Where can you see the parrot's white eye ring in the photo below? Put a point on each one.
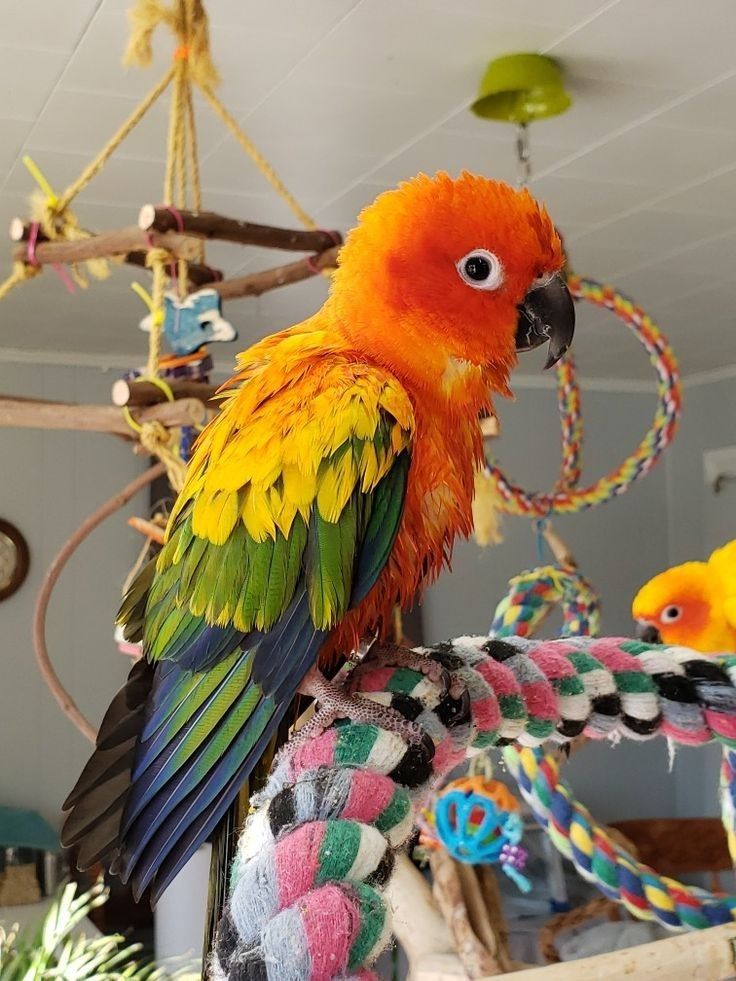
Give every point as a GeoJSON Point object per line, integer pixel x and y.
{"type": "Point", "coordinates": [480, 269]}
{"type": "Point", "coordinates": [670, 614]}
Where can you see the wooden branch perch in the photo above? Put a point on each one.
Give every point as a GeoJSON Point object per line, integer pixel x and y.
{"type": "Point", "coordinates": [20, 231]}
{"type": "Point", "coordinates": [207, 224]}
{"type": "Point", "coordinates": [198, 274]}
{"type": "Point", "coordinates": [270, 279]}
{"type": "Point", "coordinates": [139, 393]}
{"type": "Point", "coordinates": [120, 241]}
{"type": "Point", "coordinates": [477, 959]}
{"type": "Point", "coordinates": [29, 414]}
{"type": "Point", "coordinates": [113, 504]}
{"type": "Point", "coordinates": [417, 923]}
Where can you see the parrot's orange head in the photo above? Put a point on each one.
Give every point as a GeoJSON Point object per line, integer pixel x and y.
{"type": "Point", "coordinates": [444, 276]}
{"type": "Point", "coordinates": [676, 607]}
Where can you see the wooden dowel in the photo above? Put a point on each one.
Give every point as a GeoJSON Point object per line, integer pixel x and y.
{"type": "Point", "coordinates": [137, 393]}
{"type": "Point", "coordinates": [489, 427]}
{"type": "Point", "coordinates": [20, 231]}
{"type": "Point", "coordinates": [704, 954]}
{"type": "Point", "coordinates": [96, 418]}
{"type": "Point", "coordinates": [120, 241]}
{"type": "Point", "coordinates": [563, 555]}
{"type": "Point", "coordinates": [207, 224]}
{"type": "Point", "coordinates": [271, 279]}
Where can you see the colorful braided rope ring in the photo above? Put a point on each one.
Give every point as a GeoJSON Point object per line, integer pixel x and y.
{"type": "Point", "coordinates": [567, 498]}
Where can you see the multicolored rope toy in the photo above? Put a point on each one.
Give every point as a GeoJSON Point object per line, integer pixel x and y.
{"type": "Point", "coordinates": [571, 420]}
{"type": "Point", "coordinates": [599, 860]}
{"type": "Point", "coordinates": [566, 497]}
{"type": "Point", "coordinates": [534, 593]}
{"type": "Point", "coordinates": [304, 897]}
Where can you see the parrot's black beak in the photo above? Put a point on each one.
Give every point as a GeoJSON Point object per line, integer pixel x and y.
{"type": "Point", "coordinates": [547, 314]}
{"type": "Point", "coordinates": [647, 632]}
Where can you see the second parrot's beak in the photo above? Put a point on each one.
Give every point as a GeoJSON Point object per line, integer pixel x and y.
{"type": "Point", "coordinates": [547, 314]}
{"type": "Point", "coordinates": [647, 632]}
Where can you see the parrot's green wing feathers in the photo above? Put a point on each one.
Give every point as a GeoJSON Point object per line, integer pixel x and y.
{"type": "Point", "coordinates": [270, 545]}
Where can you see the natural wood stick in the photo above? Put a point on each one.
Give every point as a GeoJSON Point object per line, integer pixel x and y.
{"type": "Point", "coordinates": [707, 955]}
{"type": "Point", "coordinates": [199, 275]}
{"type": "Point", "coordinates": [416, 921]}
{"type": "Point", "coordinates": [489, 427]}
{"type": "Point", "coordinates": [138, 393]}
{"type": "Point", "coordinates": [62, 696]}
{"type": "Point", "coordinates": [208, 224]}
{"type": "Point", "coordinates": [120, 241]}
{"type": "Point", "coordinates": [270, 279]}
{"type": "Point", "coordinates": [477, 960]}
{"type": "Point", "coordinates": [20, 231]}
{"type": "Point", "coordinates": [492, 904]}
{"type": "Point", "coordinates": [96, 418]}
{"type": "Point", "coordinates": [563, 555]}
{"type": "Point", "coordinates": [149, 529]}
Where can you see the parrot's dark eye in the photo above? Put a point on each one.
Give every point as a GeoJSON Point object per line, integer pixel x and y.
{"type": "Point", "coordinates": [670, 614]}
{"type": "Point", "coordinates": [481, 269]}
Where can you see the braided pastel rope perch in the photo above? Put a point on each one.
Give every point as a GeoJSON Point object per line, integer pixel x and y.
{"type": "Point", "coordinates": [304, 900]}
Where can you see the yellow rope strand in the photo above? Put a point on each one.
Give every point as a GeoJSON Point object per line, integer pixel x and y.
{"type": "Point", "coordinates": [257, 157]}
{"type": "Point", "coordinates": [158, 440]}
{"type": "Point", "coordinates": [21, 272]}
{"type": "Point", "coordinates": [194, 174]}
{"type": "Point", "coordinates": [96, 165]}
{"type": "Point", "coordinates": [176, 179]}
{"type": "Point", "coordinates": [156, 260]}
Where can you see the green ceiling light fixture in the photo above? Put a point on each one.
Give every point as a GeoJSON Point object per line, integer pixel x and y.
{"type": "Point", "coordinates": [519, 89]}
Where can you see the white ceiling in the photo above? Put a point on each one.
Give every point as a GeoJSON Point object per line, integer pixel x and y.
{"type": "Point", "coordinates": [346, 97]}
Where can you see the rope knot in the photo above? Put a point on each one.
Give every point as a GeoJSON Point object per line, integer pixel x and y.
{"type": "Point", "coordinates": [162, 443]}
{"type": "Point", "coordinates": [59, 224]}
{"type": "Point", "coordinates": [156, 256]}
{"type": "Point", "coordinates": [188, 23]}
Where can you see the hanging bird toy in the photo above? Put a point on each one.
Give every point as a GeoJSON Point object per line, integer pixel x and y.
{"type": "Point", "coordinates": [477, 820]}
{"type": "Point", "coordinates": [192, 322]}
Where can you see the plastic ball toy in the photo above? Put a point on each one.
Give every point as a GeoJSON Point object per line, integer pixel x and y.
{"type": "Point", "coordinates": [478, 821]}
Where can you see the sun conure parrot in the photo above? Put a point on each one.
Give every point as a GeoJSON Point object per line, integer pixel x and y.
{"type": "Point", "coordinates": [692, 604]}
{"type": "Point", "coordinates": [330, 487]}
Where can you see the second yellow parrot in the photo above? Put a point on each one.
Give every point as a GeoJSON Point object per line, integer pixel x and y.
{"type": "Point", "coordinates": [693, 604]}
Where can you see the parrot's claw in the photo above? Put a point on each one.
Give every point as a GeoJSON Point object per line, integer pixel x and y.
{"type": "Point", "coordinates": [332, 703]}
{"type": "Point", "coordinates": [393, 656]}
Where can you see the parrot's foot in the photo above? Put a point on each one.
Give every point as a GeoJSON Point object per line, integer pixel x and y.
{"type": "Point", "coordinates": [394, 656]}
{"type": "Point", "coordinates": [332, 703]}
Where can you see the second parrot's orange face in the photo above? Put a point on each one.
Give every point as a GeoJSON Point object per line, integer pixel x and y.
{"type": "Point", "coordinates": [454, 263]}
{"type": "Point", "coordinates": [676, 605]}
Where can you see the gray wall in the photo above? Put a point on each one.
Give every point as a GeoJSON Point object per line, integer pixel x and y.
{"type": "Point", "coordinates": [700, 520]}
{"type": "Point", "coordinates": [49, 482]}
